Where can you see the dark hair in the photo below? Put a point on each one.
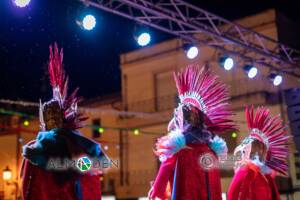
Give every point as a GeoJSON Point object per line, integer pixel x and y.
{"type": "Point", "coordinates": [193, 116]}
{"type": "Point", "coordinates": [52, 110]}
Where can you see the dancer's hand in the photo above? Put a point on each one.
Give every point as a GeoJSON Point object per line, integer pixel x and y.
{"type": "Point", "coordinates": [150, 195]}
{"type": "Point", "coordinates": [150, 191]}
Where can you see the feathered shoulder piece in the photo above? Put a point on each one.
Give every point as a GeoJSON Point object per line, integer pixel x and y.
{"type": "Point", "coordinates": [271, 132]}
{"type": "Point", "coordinates": [59, 82]}
{"type": "Point", "coordinates": [170, 144]}
{"type": "Point", "coordinates": [200, 88]}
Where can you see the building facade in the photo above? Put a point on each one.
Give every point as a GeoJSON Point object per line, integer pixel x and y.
{"type": "Point", "coordinates": [128, 124]}
{"type": "Point", "coordinates": [148, 87]}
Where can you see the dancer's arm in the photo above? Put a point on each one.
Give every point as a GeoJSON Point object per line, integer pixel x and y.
{"type": "Point", "coordinates": [165, 173]}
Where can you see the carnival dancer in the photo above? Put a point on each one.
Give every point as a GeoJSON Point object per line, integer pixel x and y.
{"type": "Point", "coordinates": [189, 153]}
{"type": "Point", "coordinates": [59, 139]}
{"type": "Point", "coordinates": [261, 155]}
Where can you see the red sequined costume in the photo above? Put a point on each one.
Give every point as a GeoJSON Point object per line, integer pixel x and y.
{"type": "Point", "coordinates": [58, 139]}
{"type": "Point", "coordinates": [189, 153]}
{"type": "Point", "coordinates": [254, 174]}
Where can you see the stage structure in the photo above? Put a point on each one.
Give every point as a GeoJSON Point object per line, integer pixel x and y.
{"type": "Point", "coordinates": [185, 20]}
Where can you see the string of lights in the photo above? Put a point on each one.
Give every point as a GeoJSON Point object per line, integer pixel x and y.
{"type": "Point", "coordinates": [90, 110]}
{"type": "Point", "coordinates": [21, 103]}
{"type": "Point", "coordinates": [100, 129]}
{"type": "Point", "coordinates": [9, 112]}
{"type": "Point", "coordinates": [11, 130]}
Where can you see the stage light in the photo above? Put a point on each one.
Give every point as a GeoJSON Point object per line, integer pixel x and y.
{"type": "Point", "coordinates": [226, 62]}
{"type": "Point", "coordinates": [105, 147]}
{"type": "Point", "coordinates": [21, 3]}
{"type": "Point", "coordinates": [136, 132]}
{"type": "Point", "coordinates": [276, 79]}
{"type": "Point", "coordinates": [89, 22]}
{"type": "Point", "coordinates": [144, 39]}
{"type": "Point", "coordinates": [192, 52]}
{"type": "Point", "coordinates": [251, 71]}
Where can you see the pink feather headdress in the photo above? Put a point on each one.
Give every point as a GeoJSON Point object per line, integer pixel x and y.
{"type": "Point", "coordinates": [198, 87]}
{"type": "Point", "coordinates": [201, 90]}
{"type": "Point", "coordinates": [271, 132]}
{"type": "Point", "coordinates": [59, 82]}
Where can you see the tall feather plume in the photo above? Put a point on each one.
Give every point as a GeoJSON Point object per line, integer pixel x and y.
{"type": "Point", "coordinates": [198, 87]}
{"type": "Point", "coordinates": [270, 131]}
{"type": "Point", "coordinates": [59, 82]}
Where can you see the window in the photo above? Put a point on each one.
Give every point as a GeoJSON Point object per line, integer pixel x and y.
{"type": "Point", "coordinates": [165, 91]}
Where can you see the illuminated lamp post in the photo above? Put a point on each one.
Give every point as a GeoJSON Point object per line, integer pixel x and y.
{"type": "Point", "coordinates": [7, 176]}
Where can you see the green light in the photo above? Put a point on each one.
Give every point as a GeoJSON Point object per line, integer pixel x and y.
{"type": "Point", "coordinates": [136, 132]}
{"type": "Point", "coordinates": [101, 130]}
{"type": "Point", "coordinates": [26, 123]}
{"type": "Point", "coordinates": [234, 135]}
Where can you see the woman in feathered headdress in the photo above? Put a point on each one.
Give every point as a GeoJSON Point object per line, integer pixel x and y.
{"type": "Point", "coordinates": [44, 176]}
{"type": "Point", "coordinates": [189, 152]}
{"type": "Point", "coordinates": [260, 156]}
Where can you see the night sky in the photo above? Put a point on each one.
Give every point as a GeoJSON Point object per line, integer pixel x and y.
{"type": "Point", "coordinates": [91, 58]}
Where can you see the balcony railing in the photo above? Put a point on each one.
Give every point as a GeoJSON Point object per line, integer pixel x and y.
{"type": "Point", "coordinates": [168, 102]}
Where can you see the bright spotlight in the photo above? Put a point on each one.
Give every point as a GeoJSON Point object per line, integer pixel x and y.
{"type": "Point", "coordinates": [227, 63]}
{"type": "Point", "coordinates": [276, 79]}
{"type": "Point", "coordinates": [144, 39]}
{"type": "Point", "coordinates": [192, 52]}
{"type": "Point", "coordinates": [251, 71]}
{"type": "Point", "coordinates": [89, 22]}
{"type": "Point", "coordinates": [21, 3]}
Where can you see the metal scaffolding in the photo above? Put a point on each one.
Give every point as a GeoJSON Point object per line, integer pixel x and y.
{"type": "Point", "coordinates": [187, 21]}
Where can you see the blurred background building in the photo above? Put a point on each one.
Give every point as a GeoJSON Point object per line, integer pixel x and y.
{"type": "Point", "coordinates": [128, 124]}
